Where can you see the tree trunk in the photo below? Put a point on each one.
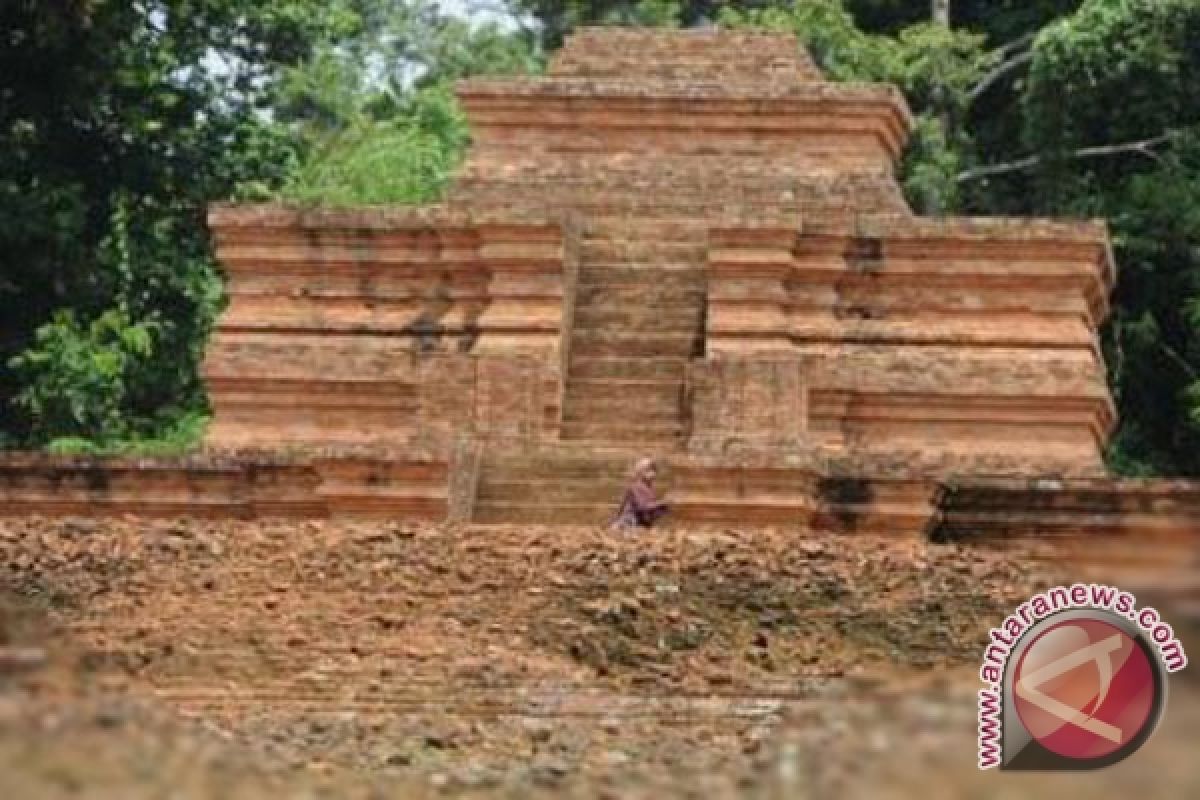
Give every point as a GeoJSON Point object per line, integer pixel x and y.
{"type": "Point", "coordinates": [941, 12]}
{"type": "Point", "coordinates": [941, 16]}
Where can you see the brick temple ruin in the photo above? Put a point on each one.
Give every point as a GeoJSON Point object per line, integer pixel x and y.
{"type": "Point", "coordinates": [688, 245]}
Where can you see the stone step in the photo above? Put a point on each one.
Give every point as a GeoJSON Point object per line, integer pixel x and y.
{"type": "Point", "coordinates": [588, 368]}
{"type": "Point", "coordinates": [551, 491]}
{"type": "Point", "coordinates": [556, 453]}
{"type": "Point", "coordinates": [653, 293]}
{"type": "Point", "coordinates": [634, 348]}
{"type": "Point", "coordinates": [601, 249]}
{"type": "Point", "coordinates": [598, 268]}
{"type": "Point", "coordinates": [663, 240]}
{"type": "Point", "coordinates": [648, 317]}
{"type": "Point", "coordinates": [496, 477]}
{"type": "Point", "coordinates": [648, 403]}
{"type": "Point", "coordinates": [606, 294]}
{"type": "Point", "coordinates": [729, 206]}
{"type": "Point", "coordinates": [671, 228]}
{"type": "Point", "coordinates": [596, 474]}
{"type": "Point", "coordinates": [587, 55]}
{"type": "Point", "coordinates": [601, 485]}
{"type": "Point", "coordinates": [616, 390]}
{"type": "Point", "coordinates": [584, 409]}
{"type": "Point", "coordinates": [623, 431]}
{"type": "Point", "coordinates": [567, 465]}
{"type": "Point", "coordinates": [662, 183]}
{"type": "Point", "coordinates": [593, 52]}
{"type": "Point", "coordinates": [661, 187]}
{"type": "Point", "coordinates": [644, 280]}
{"type": "Point", "coordinates": [596, 342]}
{"type": "Point", "coordinates": [622, 336]}
{"type": "Point", "coordinates": [599, 514]}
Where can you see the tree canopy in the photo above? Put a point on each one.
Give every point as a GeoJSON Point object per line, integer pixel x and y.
{"type": "Point", "coordinates": [120, 122]}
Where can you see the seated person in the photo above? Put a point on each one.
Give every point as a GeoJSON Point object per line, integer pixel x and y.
{"type": "Point", "coordinates": [640, 507]}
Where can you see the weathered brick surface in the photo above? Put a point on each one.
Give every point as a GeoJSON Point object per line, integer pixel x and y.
{"type": "Point", "coordinates": [239, 485]}
{"type": "Point", "coordinates": [345, 327]}
{"type": "Point", "coordinates": [1140, 535]}
{"type": "Point", "coordinates": [1007, 508]}
{"type": "Point", "coordinates": [746, 56]}
{"type": "Point", "coordinates": [408, 649]}
{"type": "Point", "coordinates": [969, 336]}
{"type": "Point", "coordinates": [703, 258]}
{"type": "Point", "coordinates": [443, 660]}
{"type": "Point", "coordinates": [609, 396]}
{"type": "Point", "coordinates": [682, 242]}
{"type": "Point", "coordinates": [352, 323]}
{"type": "Point", "coordinates": [756, 402]}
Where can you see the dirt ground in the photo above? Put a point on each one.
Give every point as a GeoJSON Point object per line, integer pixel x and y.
{"type": "Point", "coordinates": [196, 659]}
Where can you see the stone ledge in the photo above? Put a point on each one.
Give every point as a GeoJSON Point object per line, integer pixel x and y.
{"type": "Point", "coordinates": [588, 108]}
{"type": "Point", "coordinates": [387, 218]}
{"type": "Point", "coordinates": [902, 227]}
{"type": "Point", "coordinates": [812, 490]}
{"type": "Point", "coordinates": [1086, 230]}
{"type": "Point", "coordinates": [238, 485]}
{"type": "Point", "coordinates": [762, 96]}
{"type": "Point", "coordinates": [987, 509]}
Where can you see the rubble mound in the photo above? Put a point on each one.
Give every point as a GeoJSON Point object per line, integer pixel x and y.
{"type": "Point", "coordinates": [498, 658]}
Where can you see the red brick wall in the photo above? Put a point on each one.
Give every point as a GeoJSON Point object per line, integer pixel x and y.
{"type": "Point", "coordinates": [747, 402]}
{"type": "Point", "coordinates": [366, 327]}
{"type": "Point", "coordinates": [972, 338]}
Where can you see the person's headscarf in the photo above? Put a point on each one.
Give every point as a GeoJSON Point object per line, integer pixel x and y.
{"type": "Point", "coordinates": [643, 466]}
{"type": "Point", "coordinates": [639, 501]}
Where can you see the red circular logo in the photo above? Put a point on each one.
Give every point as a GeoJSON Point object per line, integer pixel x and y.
{"type": "Point", "coordinates": [1084, 688]}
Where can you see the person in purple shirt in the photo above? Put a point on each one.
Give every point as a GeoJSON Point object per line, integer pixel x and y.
{"type": "Point", "coordinates": [640, 506]}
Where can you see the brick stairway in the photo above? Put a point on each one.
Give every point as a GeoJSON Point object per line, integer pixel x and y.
{"type": "Point", "coordinates": [639, 318]}
{"type": "Point", "coordinates": [552, 484]}
{"type": "Point", "coordinates": [653, 141]}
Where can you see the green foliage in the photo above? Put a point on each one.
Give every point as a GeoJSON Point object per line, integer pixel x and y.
{"type": "Point", "coordinates": [938, 66]}
{"type": "Point", "coordinates": [649, 14]}
{"type": "Point", "coordinates": [76, 375]}
{"type": "Point", "coordinates": [829, 32]}
{"type": "Point", "coordinates": [1116, 70]}
{"type": "Point", "coordinates": [934, 65]}
{"type": "Point", "coordinates": [119, 123]}
{"type": "Point", "coordinates": [557, 17]}
{"type": "Point", "coordinates": [406, 159]}
{"type": "Point", "coordinates": [1004, 21]}
{"type": "Point", "coordinates": [1192, 392]}
{"type": "Point", "coordinates": [377, 114]}
{"type": "Point", "coordinates": [1154, 339]}
{"type": "Point", "coordinates": [1120, 72]}
{"type": "Point", "coordinates": [930, 166]}
{"type": "Point", "coordinates": [453, 49]}
{"type": "Point", "coordinates": [1001, 19]}
{"type": "Point", "coordinates": [183, 432]}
